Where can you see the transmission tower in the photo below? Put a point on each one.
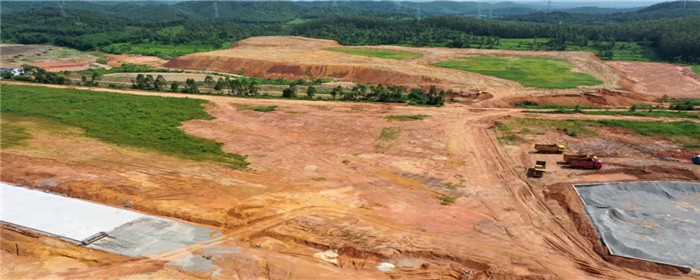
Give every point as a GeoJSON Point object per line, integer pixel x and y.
{"type": "Point", "coordinates": [216, 10]}
{"type": "Point", "coordinates": [61, 3]}
{"type": "Point", "coordinates": [418, 4]}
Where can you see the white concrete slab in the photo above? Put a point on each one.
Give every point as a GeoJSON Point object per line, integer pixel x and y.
{"type": "Point", "coordinates": [57, 215]}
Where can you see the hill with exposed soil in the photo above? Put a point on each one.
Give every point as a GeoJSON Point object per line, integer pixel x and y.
{"type": "Point", "coordinates": [304, 58]}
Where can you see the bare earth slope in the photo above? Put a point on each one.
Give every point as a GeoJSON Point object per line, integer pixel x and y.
{"type": "Point", "coordinates": [298, 57]}
{"type": "Point", "coordinates": [659, 79]}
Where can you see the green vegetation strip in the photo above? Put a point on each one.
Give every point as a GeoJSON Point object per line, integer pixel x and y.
{"type": "Point", "coordinates": [389, 133]}
{"type": "Point", "coordinates": [685, 133]}
{"type": "Point", "coordinates": [406, 117]}
{"type": "Point", "coordinates": [265, 109]}
{"type": "Point", "coordinates": [534, 105]}
{"type": "Point", "coordinates": [157, 49]}
{"type": "Point", "coordinates": [530, 72]}
{"type": "Point", "coordinates": [381, 53]}
{"type": "Point", "coordinates": [696, 69]}
{"type": "Point", "coordinates": [664, 113]}
{"type": "Point", "coordinates": [12, 134]}
{"type": "Point", "coordinates": [138, 121]}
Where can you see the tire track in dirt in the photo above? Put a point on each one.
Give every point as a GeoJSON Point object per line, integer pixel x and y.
{"type": "Point", "coordinates": [534, 211]}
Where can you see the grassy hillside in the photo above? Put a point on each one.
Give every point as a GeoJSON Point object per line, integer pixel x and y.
{"type": "Point", "coordinates": [530, 72]}
{"type": "Point", "coordinates": [388, 54]}
{"type": "Point", "coordinates": [146, 122]}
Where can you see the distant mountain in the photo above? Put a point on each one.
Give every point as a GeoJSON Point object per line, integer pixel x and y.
{"type": "Point", "coordinates": [667, 10]}
{"type": "Point", "coordinates": [282, 12]}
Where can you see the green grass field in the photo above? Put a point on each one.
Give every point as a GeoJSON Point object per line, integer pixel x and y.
{"type": "Point", "coordinates": [623, 51]}
{"type": "Point", "coordinates": [388, 54]}
{"type": "Point", "coordinates": [696, 69]}
{"type": "Point", "coordinates": [12, 134]}
{"type": "Point", "coordinates": [58, 53]}
{"type": "Point", "coordinates": [640, 113]}
{"type": "Point", "coordinates": [264, 109]}
{"type": "Point", "coordinates": [147, 122]}
{"type": "Point", "coordinates": [406, 117]}
{"type": "Point", "coordinates": [530, 72]}
{"type": "Point", "coordinates": [155, 49]}
{"type": "Point", "coordinates": [685, 133]}
{"type": "Point", "coordinates": [534, 105]}
{"type": "Point", "coordinates": [389, 133]}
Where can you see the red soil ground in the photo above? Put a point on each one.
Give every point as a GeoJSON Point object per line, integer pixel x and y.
{"type": "Point", "coordinates": [322, 178]}
{"type": "Point", "coordinates": [658, 79]}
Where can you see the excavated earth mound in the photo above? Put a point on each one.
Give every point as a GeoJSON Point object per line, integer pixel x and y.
{"type": "Point", "coordinates": [303, 58]}
{"type": "Point", "coordinates": [659, 79]}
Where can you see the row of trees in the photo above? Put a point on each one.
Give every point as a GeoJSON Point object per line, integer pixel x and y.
{"type": "Point", "coordinates": [378, 93]}
{"type": "Point", "coordinates": [147, 82]}
{"type": "Point", "coordinates": [235, 87]}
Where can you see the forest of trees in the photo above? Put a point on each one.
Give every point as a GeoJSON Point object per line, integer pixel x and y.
{"type": "Point", "coordinates": [675, 39]}
{"type": "Point", "coordinates": [664, 28]}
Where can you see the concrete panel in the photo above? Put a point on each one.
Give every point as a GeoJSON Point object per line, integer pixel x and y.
{"type": "Point", "coordinates": [61, 216]}
{"type": "Point", "coordinates": [151, 235]}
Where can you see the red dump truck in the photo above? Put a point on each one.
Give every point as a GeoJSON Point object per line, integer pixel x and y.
{"type": "Point", "coordinates": [587, 164]}
{"type": "Point", "coordinates": [550, 148]}
{"type": "Point", "coordinates": [578, 157]}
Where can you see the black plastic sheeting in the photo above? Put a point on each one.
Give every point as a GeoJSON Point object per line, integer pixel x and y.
{"type": "Point", "coordinates": [656, 221]}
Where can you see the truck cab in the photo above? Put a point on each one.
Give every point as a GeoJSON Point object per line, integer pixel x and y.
{"type": "Point", "coordinates": [561, 148]}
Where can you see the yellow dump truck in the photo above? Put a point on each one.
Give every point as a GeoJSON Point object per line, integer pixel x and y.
{"type": "Point", "coordinates": [539, 169]}
{"type": "Point", "coordinates": [550, 148]}
{"type": "Point", "coordinates": [579, 157]}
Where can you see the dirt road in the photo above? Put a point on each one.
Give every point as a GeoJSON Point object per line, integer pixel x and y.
{"type": "Point", "coordinates": [324, 178]}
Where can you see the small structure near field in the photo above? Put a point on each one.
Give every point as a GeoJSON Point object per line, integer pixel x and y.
{"type": "Point", "coordinates": [653, 221]}
{"type": "Point", "coordinates": [14, 71]}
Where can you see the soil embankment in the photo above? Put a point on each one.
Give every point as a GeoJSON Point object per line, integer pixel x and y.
{"type": "Point", "coordinates": [304, 58]}
{"type": "Point", "coordinates": [658, 79]}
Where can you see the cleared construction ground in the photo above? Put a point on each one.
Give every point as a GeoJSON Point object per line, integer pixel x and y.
{"type": "Point", "coordinates": [339, 190]}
